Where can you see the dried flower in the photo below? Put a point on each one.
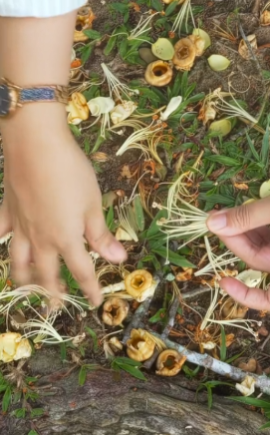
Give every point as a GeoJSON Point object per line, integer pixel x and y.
{"type": "Point", "coordinates": [85, 18]}
{"type": "Point", "coordinates": [244, 50]}
{"type": "Point", "coordinates": [265, 18]}
{"type": "Point", "coordinates": [250, 366]}
{"type": "Point", "coordinates": [140, 345]}
{"type": "Point", "coordinates": [185, 53]}
{"type": "Point", "coordinates": [158, 73]}
{"type": "Point", "coordinates": [77, 108]}
{"type": "Point", "coordinates": [247, 387]}
{"type": "Point", "coordinates": [232, 310]}
{"type": "Point", "coordinates": [116, 88]}
{"type": "Point", "coordinates": [115, 343]}
{"type": "Point", "coordinates": [140, 284]}
{"type": "Point", "coordinates": [115, 310]}
{"type": "Point", "coordinates": [122, 111]}
{"type": "Point", "coordinates": [170, 362]}
{"type": "Point", "coordinates": [13, 347]}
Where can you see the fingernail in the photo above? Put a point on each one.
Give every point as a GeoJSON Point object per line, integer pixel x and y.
{"type": "Point", "coordinates": [217, 222]}
{"type": "Point", "coordinates": [117, 251]}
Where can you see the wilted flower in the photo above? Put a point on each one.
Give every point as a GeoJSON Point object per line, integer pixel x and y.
{"type": "Point", "coordinates": [140, 345]}
{"type": "Point", "coordinates": [77, 108]}
{"type": "Point", "coordinates": [13, 347]}
{"type": "Point", "coordinates": [172, 106]}
{"type": "Point", "coordinates": [122, 111]}
{"type": "Point", "coordinates": [100, 105]}
{"type": "Point", "coordinates": [265, 18]}
{"type": "Point", "coordinates": [244, 50]}
{"type": "Point", "coordinates": [85, 18]}
{"type": "Point", "coordinates": [185, 53]}
{"type": "Point", "coordinates": [247, 387]}
{"type": "Point", "coordinates": [158, 73]}
{"type": "Point", "coordinates": [170, 362]}
{"type": "Point", "coordinates": [115, 310]}
{"type": "Point", "coordinates": [140, 284]}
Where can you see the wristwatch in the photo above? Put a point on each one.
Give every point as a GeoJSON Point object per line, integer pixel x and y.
{"type": "Point", "coordinates": [13, 96]}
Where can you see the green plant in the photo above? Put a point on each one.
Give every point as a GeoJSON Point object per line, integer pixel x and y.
{"type": "Point", "coordinates": [128, 365]}
{"type": "Point", "coordinates": [210, 386]}
{"type": "Point", "coordinates": [263, 404]}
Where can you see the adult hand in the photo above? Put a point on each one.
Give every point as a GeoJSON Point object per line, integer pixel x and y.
{"type": "Point", "coordinates": [52, 202]}
{"type": "Point", "coordinates": [245, 231]}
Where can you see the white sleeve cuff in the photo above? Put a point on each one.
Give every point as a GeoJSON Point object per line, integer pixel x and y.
{"type": "Point", "coordinates": [38, 8]}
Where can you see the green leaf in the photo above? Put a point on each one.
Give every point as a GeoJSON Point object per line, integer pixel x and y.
{"type": "Point", "coordinates": [86, 52]}
{"type": "Point", "coordinates": [160, 314]}
{"type": "Point", "coordinates": [119, 7]}
{"type": "Point", "coordinates": [139, 214]}
{"type": "Point", "coordinates": [265, 426]}
{"type": "Point", "coordinates": [92, 34]}
{"type": "Point", "coordinates": [123, 48]}
{"type": "Point", "coordinates": [223, 349]}
{"type": "Point", "coordinates": [157, 5]}
{"type": "Point", "coordinates": [82, 376]}
{"type": "Point", "coordinates": [125, 360]}
{"type": "Point", "coordinates": [63, 351]}
{"type": "Point", "coordinates": [110, 218]}
{"type": "Point", "coordinates": [6, 399]}
{"type": "Point", "coordinates": [224, 160]}
{"type": "Point", "coordinates": [134, 371]}
{"type": "Point", "coordinates": [75, 130]}
{"type": "Point", "coordinates": [94, 337]}
{"type": "Point", "coordinates": [173, 257]}
{"type": "Point", "coordinates": [110, 45]}
{"type": "Point", "coordinates": [251, 401]}
{"type": "Point", "coordinates": [86, 146]}
{"type": "Point", "coordinates": [37, 412]}
{"type": "Point", "coordinates": [265, 146]}
{"type": "Point", "coordinates": [19, 413]}
{"type": "Point", "coordinates": [99, 141]}
{"type": "Point", "coordinates": [171, 8]}
{"type": "Point", "coordinates": [209, 397]}
{"type": "Point", "coordinates": [32, 432]}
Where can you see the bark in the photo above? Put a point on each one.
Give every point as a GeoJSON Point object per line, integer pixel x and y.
{"type": "Point", "coordinates": [109, 404]}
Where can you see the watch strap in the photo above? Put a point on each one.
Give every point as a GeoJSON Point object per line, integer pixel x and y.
{"type": "Point", "coordinates": [44, 94]}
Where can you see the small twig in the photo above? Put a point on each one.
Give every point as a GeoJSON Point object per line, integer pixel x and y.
{"type": "Point", "coordinates": [196, 292]}
{"type": "Point", "coordinates": [166, 331]}
{"type": "Point", "coordinates": [256, 7]}
{"type": "Point", "coordinates": [219, 367]}
{"type": "Point", "coordinates": [137, 318]}
{"type": "Point", "coordinates": [249, 48]}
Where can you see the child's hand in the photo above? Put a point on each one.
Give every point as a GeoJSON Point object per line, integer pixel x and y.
{"type": "Point", "coordinates": [245, 231]}
{"type": "Point", "coordinates": [52, 200]}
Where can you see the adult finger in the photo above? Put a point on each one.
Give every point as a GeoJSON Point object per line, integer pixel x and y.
{"type": "Point", "coordinates": [81, 266]}
{"type": "Point", "coordinates": [46, 266]}
{"type": "Point", "coordinates": [20, 252]}
{"type": "Point", "coordinates": [240, 219]}
{"type": "Point", "coordinates": [258, 257]}
{"type": "Point", "coordinates": [102, 241]}
{"type": "Point", "coordinates": [249, 297]}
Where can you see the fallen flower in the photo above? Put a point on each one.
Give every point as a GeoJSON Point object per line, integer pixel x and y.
{"type": "Point", "coordinates": [172, 107]}
{"type": "Point", "coordinates": [204, 36]}
{"type": "Point", "coordinates": [265, 189]}
{"type": "Point", "coordinates": [247, 387]}
{"type": "Point", "coordinates": [244, 50]}
{"type": "Point", "coordinates": [141, 345]}
{"type": "Point", "coordinates": [122, 111]}
{"type": "Point", "coordinates": [140, 284]}
{"type": "Point", "coordinates": [13, 347]}
{"type": "Point", "coordinates": [77, 108]}
{"type": "Point", "coordinates": [251, 278]}
{"type": "Point", "coordinates": [163, 49]}
{"type": "Point", "coordinates": [158, 73]}
{"type": "Point", "coordinates": [221, 127]}
{"type": "Point", "coordinates": [250, 366]}
{"type": "Point", "coordinates": [218, 62]}
{"type": "Point", "coordinates": [170, 362]}
{"type": "Point", "coordinates": [185, 53]}
{"type": "Point", "coordinates": [116, 88]}
{"type": "Point", "coordinates": [232, 310]}
{"type": "Point", "coordinates": [100, 105]}
{"type": "Point", "coordinates": [115, 310]}
{"type": "Point", "coordinates": [85, 18]}
{"type": "Point", "coordinates": [265, 18]}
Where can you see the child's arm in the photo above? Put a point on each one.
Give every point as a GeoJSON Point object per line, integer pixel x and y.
{"type": "Point", "coordinates": [52, 199]}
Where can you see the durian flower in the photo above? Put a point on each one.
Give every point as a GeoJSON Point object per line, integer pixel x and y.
{"type": "Point", "coordinates": [170, 362]}
{"type": "Point", "coordinates": [115, 310]}
{"type": "Point", "coordinates": [122, 111]}
{"type": "Point", "coordinates": [13, 347]}
{"type": "Point", "coordinates": [247, 387]}
{"type": "Point", "coordinates": [185, 53]}
{"type": "Point", "coordinates": [100, 107]}
{"type": "Point", "coordinates": [77, 108]}
{"type": "Point", "coordinates": [140, 345]}
{"type": "Point", "coordinates": [172, 106]}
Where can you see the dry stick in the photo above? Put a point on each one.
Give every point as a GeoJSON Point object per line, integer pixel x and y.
{"type": "Point", "coordinates": [137, 318]}
{"type": "Point", "coordinates": [256, 7]}
{"type": "Point", "coordinates": [219, 367]}
{"type": "Point", "coordinates": [249, 48]}
{"type": "Point", "coordinates": [171, 319]}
